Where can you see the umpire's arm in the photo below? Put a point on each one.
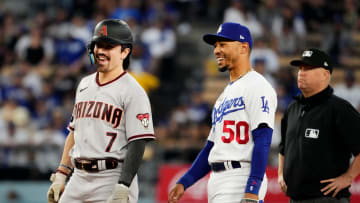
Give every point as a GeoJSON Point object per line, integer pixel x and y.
{"type": "Point", "coordinates": [281, 180]}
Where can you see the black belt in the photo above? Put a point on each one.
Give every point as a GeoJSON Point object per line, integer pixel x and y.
{"type": "Point", "coordinates": [96, 165]}
{"type": "Point", "coordinates": [222, 166]}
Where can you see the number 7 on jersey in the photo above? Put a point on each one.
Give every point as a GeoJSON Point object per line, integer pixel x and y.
{"type": "Point", "coordinates": [113, 137]}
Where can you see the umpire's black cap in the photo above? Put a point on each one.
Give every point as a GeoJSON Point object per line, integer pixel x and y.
{"type": "Point", "coordinates": [315, 58]}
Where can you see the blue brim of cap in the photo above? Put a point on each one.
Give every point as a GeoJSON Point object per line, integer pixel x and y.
{"type": "Point", "coordinates": [212, 38]}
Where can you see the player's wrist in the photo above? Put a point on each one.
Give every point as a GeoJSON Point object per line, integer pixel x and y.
{"type": "Point", "coordinates": [186, 181]}
{"type": "Point", "coordinates": [121, 191]}
{"type": "Point", "coordinates": [253, 185]}
{"type": "Point", "coordinates": [251, 196]}
{"type": "Point", "coordinates": [249, 200]}
{"type": "Point", "coordinates": [120, 182]}
{"type": "Point", "coordinates": [119, 185]}
{"type": "Point", "coordinates": [62, 172]}
{"type": "Point", "coordinates": [64, 169]}
{"type": "Point", "coordinates": [58, 178]}
{"type": "Point", "coordinates": [67, 168]}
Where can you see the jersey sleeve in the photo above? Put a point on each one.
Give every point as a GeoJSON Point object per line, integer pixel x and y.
{"type": "Point", "coordinates": [347, 124]}
{"type": "Point", "coordinates": [138, 117]}
{"type": "Point", "coordinates": [71, 125]}
{"type": "Point", "coordinates": [260, 105]}
{"type": "Point", "coordinates": [211, 136]}
{"type": "Point", "coordinates": [283, 134]}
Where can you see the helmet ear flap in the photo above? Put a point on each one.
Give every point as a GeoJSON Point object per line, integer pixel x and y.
{"type": "Point", "coordinates": [90, 48]}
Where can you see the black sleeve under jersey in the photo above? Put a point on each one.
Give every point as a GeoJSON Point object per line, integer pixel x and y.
{"type": "Point", "coordinates": [348, 125]}
{"type": "Point", "coordinates": [132, 161]}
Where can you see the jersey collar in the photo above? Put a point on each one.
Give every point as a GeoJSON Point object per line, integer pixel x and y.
{"type": "Point", "coordinates": [317, 98]}
{"type": "Point", "coordinates": [98, 82]}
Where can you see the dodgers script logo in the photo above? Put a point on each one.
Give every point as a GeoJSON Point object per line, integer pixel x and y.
{"type": "Point", "coordinates": [226, 107]}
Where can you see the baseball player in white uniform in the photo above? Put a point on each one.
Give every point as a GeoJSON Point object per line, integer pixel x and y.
{"type": "Point", "coordinates": [242, 124]}
{"type": "Point", "coordinates": [110, 125]}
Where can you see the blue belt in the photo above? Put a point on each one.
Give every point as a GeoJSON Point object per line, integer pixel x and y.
{"type": "Point", "coordinates": [222, 166]}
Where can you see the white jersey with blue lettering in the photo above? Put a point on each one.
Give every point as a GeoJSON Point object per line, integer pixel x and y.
{"type": "Point", "coordinates": [242, 106]}
{"type": "Point", "coordinates": [106, 117]}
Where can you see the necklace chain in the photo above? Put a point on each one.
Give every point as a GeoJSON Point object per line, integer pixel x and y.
{"type": "Point", "coordinates": [244, 73]}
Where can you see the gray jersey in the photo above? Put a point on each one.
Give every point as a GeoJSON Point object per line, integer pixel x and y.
{"type": "Point", "coordinates": [106, 117]}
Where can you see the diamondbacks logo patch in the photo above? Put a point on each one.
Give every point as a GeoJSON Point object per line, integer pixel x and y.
{"type": "Point", "coordinates": [102, 31]}
{"type": "Point", "coordinates": [144, 118]}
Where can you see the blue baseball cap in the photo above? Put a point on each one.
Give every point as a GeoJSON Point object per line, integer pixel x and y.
{"type": "Point", "coordinates": [230, 31]}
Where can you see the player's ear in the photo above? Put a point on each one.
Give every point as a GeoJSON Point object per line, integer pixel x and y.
{"type": "Point", "coordinates": [244, 48]}
{"type": "Point", "coordinates": [124, 53]}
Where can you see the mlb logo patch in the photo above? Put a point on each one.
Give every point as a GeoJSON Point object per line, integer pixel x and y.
{"type": "Point", "coordinates": [219, 29]}
{"type": "Point", "coordinates": [307, 53]}
{"type": "Point", "coordinates": [312, 133]}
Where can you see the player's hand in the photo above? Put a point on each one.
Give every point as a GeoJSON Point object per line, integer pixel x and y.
{"type": "Point", "coordinates": [336, 184]}
{"type": "Point", "coordinates": [56, 188]}
{"type": "Point", "coordinates": [282, 183]}
{"type": "Point", "coordinates": [120, 194]}
{"type": "Point", "coordinates": [176, 193]}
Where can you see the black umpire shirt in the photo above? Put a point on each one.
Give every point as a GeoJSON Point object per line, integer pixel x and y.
{"type": "Point", "coordinates": [318, 136]}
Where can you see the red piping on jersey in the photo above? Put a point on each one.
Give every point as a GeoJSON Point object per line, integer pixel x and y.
{"type": "Point", "coordinates": [141, 136]}
{"type": "Point", "coordinates": [71, 128]}
{"type": "Point", "coordinates": [98, 82]}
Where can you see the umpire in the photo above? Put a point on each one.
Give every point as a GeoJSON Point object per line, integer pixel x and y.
{"type": "Point", "coordinates": [319, 133]}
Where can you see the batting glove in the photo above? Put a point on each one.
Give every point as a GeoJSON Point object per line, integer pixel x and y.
{"type": "Point", "coordinates": [56, 188]}
{"type": "Point", "coordinates": [119, 195]}
{"type": "Point", "coordinates": [247, 200]}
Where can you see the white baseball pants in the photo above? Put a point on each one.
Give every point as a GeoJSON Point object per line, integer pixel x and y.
{"type": "Point", "coordinates": [229, 186]}
{"type": "Point", "coordinates": [84, 187]}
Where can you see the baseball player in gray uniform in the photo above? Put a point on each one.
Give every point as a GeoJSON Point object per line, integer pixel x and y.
{"type": "Point", "coordinates": [110, 125]}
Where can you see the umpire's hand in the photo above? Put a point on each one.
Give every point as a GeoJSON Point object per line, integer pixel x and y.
{"type": "Point", "coordinates": [176, 193]}
{"type": "Point", "coordinates": [56, 188]}
{"type": "Point", "coordinates": [282, 183]}
{"type": "Point", "coordinates": [336, 184]}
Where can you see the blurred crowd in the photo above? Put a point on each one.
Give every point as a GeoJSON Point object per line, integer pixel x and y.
{"type": "Point", "coordinates": [43, 55]}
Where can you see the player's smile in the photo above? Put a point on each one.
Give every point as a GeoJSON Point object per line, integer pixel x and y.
{"type": "Point", "coordinates": [100, 58]}
{"type": "Point", "coordinates": [220, 60]}
{"type": "Point", "coordinates": [224, 51]}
